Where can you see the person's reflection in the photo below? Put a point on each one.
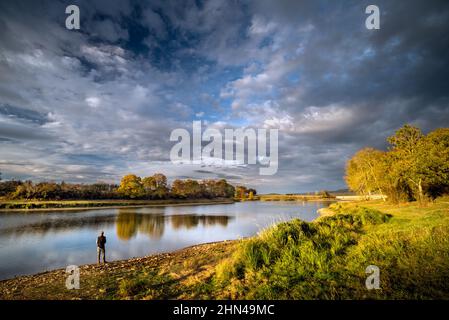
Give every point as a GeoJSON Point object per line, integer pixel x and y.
{"type": "Point", "coordinates": [129, 223]}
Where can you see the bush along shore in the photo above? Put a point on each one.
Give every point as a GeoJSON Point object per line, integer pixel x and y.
{"type": "Point", "coordinates": [323, 259]}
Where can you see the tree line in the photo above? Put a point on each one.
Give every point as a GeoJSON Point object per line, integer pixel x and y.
{"type": "Point", "coordinates": [130, 187]}
{"type": "Point", "coordinates": [415, 166]}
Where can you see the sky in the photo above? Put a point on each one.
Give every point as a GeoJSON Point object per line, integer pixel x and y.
{"type": "Point", "coordinates": [100, 102]}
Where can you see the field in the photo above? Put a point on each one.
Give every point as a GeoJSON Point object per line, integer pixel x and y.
{"type": "Point", "coordinates": [324, 259]}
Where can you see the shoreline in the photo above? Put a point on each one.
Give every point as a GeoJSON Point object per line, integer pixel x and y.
{"type": "Point", "coordinates": [201, 257]}
{"type": "Point", "coordinates": [127, 204]}
{"type": "Point", "coordinates": [323, 212]}
{"type": "Point", "coordinates": [154, 256]}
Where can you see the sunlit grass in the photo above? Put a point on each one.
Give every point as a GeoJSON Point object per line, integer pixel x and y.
{"type": "Point", "coordinates": [327, 259]}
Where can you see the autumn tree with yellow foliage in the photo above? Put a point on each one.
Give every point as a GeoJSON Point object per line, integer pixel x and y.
{"type": "Point", "coordinates": [415, 167]}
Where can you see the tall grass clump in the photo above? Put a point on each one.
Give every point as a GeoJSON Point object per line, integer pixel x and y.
{"type": "Point", "coordinates": [327, 258]}
{"type": "Point", "coordinates": [294, 259]}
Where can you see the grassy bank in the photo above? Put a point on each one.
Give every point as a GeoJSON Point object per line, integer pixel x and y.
{"type": "Point", "coordinates": [327, 259]}
{"type": "Point", "coordinates": [324, 259]}
{"type": "Point", "coordinates": [28, 205]}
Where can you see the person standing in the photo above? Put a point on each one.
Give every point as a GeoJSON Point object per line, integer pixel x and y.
{"type": "Point", "coordinates": [101, 248]}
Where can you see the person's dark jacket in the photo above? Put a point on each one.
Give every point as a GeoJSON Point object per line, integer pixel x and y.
{"type": "Point", "coordinates": [101, 241]}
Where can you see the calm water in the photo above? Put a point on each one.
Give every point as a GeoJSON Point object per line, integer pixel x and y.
{"type": "Point", "coordinates": [35, 242]}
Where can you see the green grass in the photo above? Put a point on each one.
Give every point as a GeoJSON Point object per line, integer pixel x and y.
{"type": "Point", "coordinates": [327, 259]}
{"type": "Point", "coordinates": [146, 285]}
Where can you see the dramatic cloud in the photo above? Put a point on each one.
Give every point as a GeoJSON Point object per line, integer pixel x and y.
{"type": "Point", "coordinates": [101, 102]}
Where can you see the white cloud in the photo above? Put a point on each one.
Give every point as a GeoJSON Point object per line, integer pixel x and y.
{"type": "Point", "coordinates": [260, 26]}
{"type": "Point", "coordinates": [93, 102]}
{"type": "Point", "coordinates": [329, 118]}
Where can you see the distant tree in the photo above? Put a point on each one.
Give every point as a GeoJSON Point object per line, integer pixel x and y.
{"type": "Point", "coordinates": [179, 189]}
{"type": "Point", "coordinates": [433, 163]}
{"type": "Point", "coordinates": [48, 191]}
{"type": "Point", "coordinates": [25, 190]}
{"type": "Point", "coordinates": [253, 191]}
{"type": "Point", "coordinates": [325, 194]}
{"type": "Point", "coordinates": [241, 192]}
{"type": "Point", "coordinates": [161, 188]}
{"type": "Point", "coordinates": [217, 189]}
{"type": "Point", "coordinates": [406, 140]}
{"type": "Point", "coordinates": [227, 189]}
{"type": "Point", "coordinates": [131, 187]}
{"type": "Point", "coordinates": [7, 188]}
{"type": "Point", "coordinates": [408, 147]}
{"type": "Point", "coordinates": [364, 171]}
{"type": "Point", "coordinates": [193, 189]}
{"type": "Point", "coordinates": [148, 185]}
{"type": "Point", "coordinates": [416, 166]}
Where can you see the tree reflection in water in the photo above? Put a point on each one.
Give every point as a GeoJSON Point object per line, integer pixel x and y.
{"type": "Point", "coordinates": [129, 223]}
{"type": "Point", "coordinates": [191, 221]}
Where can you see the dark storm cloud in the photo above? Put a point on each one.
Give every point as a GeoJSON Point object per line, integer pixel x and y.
{"type": "Point", "coordinates": [21, 132]}
{"type": "Point", "coordinates": [355, 86]}
{"type": "Point", "coordinates": [101, 102]}
{"type": "Point", "coordinates": [403, 66]}
{"type": "Point", "coordinates": [24, 114]}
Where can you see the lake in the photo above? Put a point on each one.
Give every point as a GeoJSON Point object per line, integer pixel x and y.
{"type": "Point", "coordinates": [40, 241]}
